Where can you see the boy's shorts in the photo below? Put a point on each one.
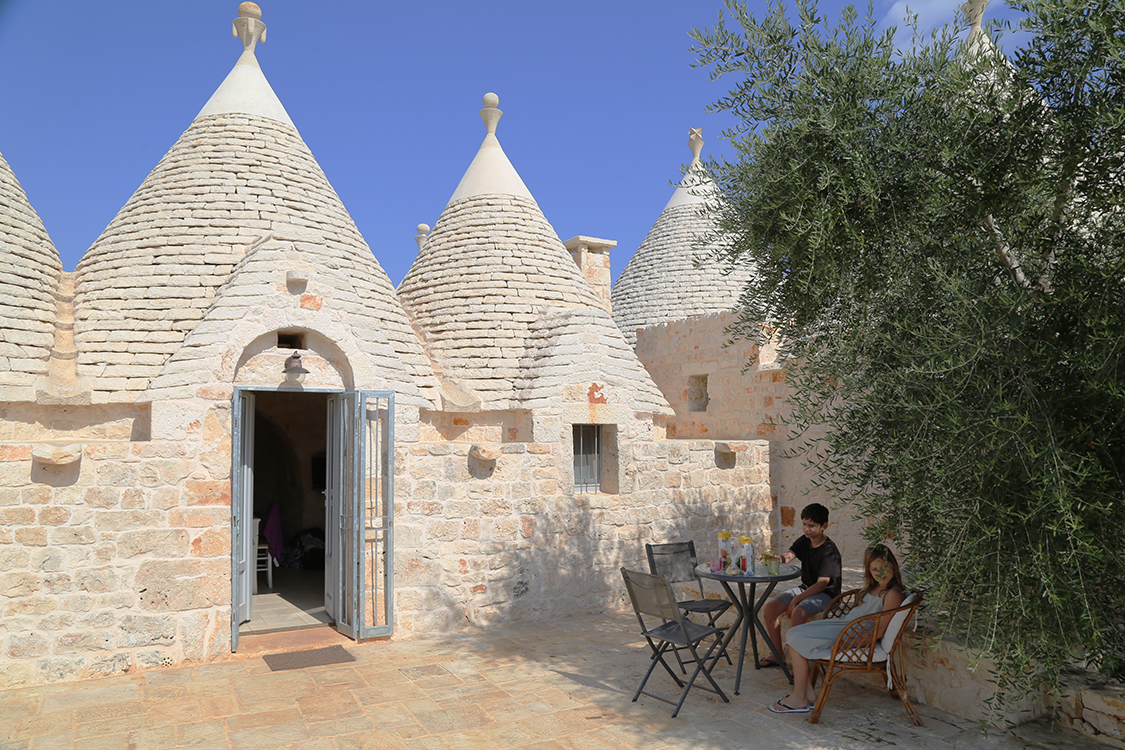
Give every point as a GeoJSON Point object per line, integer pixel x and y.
{"type": "Point", "coordinates": [811, 604]}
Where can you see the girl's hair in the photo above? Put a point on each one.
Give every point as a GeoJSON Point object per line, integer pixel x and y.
{"type": "Point", "coordinates": [880, 552]}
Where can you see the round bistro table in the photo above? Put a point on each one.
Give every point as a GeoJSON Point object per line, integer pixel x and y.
{"type": "Point", "coordinates": [748, 608]}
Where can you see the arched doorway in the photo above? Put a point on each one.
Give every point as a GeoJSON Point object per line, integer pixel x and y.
{"type": "Point", "coordinates": [287, 443]}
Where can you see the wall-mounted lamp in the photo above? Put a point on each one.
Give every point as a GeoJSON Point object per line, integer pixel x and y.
{"type": "Point", "coordinates": [294, 371]}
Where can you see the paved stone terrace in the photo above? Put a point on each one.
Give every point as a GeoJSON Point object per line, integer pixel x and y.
{"type": "Point", "coordinates": [563, 686]}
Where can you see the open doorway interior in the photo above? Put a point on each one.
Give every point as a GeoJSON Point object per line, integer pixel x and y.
{"type": "Point", "coordinates": [290, 449]}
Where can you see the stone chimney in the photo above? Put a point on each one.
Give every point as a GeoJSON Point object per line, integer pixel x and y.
{"type": "Point", "coordinates": [592, 256]}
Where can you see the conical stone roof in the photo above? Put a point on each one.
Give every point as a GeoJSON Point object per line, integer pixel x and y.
{"type": "Point", "coordinates": [485, 281]}
{"type": "Point", "coordinates": [29, 277]}
{"type": "Point", "coordinates": [239, 175]}
{"type": "Point", "coordinates": [673, 274]}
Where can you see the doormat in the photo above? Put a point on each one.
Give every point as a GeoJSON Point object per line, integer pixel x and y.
{"type": "Point", "coordinates": [317, 657]}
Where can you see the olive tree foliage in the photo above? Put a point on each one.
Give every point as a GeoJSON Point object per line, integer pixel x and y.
{"type": "Point", "coordinates": [939, 241]}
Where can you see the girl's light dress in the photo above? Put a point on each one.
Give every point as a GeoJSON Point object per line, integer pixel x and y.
{"type": "Point", "coordinates": [814, 640]}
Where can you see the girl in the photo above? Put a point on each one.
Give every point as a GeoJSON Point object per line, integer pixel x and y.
{"type": "Point", "coordinates": [882, 590]}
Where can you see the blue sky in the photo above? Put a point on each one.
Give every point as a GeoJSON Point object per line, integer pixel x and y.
{"type": "Point", "coordinates": [598, 98]}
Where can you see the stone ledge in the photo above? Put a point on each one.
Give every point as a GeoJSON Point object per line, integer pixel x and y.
{"type": "Point", "coordinates": [56, 455]}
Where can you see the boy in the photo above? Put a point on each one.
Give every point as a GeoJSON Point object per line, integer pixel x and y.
{"type": "Point", "coordinates": [820, 578]}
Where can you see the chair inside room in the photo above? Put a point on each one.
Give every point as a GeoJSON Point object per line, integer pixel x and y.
{"type": "Point", "coordinates": [676, 562]}
{"type": "Point", "coordinates": [652, 597]}
{"type": "Point", "coordinates": [263, 560]}
{"type": "Point", "coordinates": [856, 651]}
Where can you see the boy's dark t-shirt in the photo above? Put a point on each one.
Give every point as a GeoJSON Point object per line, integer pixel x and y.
{"type": "Point", "coordinates": [819, 562]}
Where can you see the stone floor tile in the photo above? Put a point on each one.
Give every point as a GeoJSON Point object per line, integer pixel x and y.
{"type": "Point", "coordinates": [339, 679]}
{"type": "Point", "coordinates": [470, 739]}
{"type": "Point", "coordinates": [410, 731]}
{"type": "Point", "coordinates": [277, 734]}
{"type": "Point", "coordinates": [393, 693]}
{"type": "Point", "coordinates": [452, 719]}
{"type": "Point", "coordinates": [416, 705]}
{"type": "Point", "coordinates": [337, 726]}
{"type": "Point", "coordinates": [176, 675]}
{"type": "Point", "coordinates": [475, 693]}
{"type": "Point", "coordinates": [328, 705]}
{"type": "Point", "coordinates": [90, 694]}
{"type": "Point", "coordinates": [111, 711]}
{"type": "Point", "coordinates": [157, 738]}
{"type": "Point", "coordinates": [387, 715]}
{"type": "Point", "coordinates": [596, 740]}
{"type": "Point", "coordinates": [52, 741]}
{"type": "Point", "coordinates": [268, 703]}
{"type": "Point", "coordinates": [428, 743]}
{"type": "Point", "coordinates": [509, 734]}
{"type": "Point", "coordinates": [320, 743]}
{"type": "Point", "coordinates": [218, 671]}
{"type": "Point", "coordinates": [102, 742]}
{"type": "Point", "coordinates": [515, 707]}
{"type": "Point", "coordinates": [377, 740]}
{"type": "Point", "coordinates": [425, 672]}
{"type": "Point", "coordinates": [207, 688]}
{"type": "Point", "coordinates": [218, 707]}
{"type": "Point", "coordinates": [36, 723]}
{"type": "Point", "coordinates": [14, 709]}
{"type": "Point", "coordinates": [171, 713]}
{"type": "Point", "coordinates": [246, 721]}
{"type": "Point", "coordinates": [273, 685]}
{"type": "Point", "coordinates": [115, 725]}
{"type": "Point", "coordinates": [166, 692]}
{"type": "Point", "coordinates": [205, 734]}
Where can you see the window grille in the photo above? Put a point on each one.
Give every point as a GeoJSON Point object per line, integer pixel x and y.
{"type": "Point", "coordinates": [587, 458]}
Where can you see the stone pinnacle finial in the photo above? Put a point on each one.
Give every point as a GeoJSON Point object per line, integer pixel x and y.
{"type": "Point", "coordinates": [974, 12]}
{"type": "Point", "coordinates": [490, 114]}
{"type": "Point", "coordinates": [422, 236]}
{"type": "Point", "coordinates": [248, 26]}
{"type": "Point", "coordinates": [695, 143]}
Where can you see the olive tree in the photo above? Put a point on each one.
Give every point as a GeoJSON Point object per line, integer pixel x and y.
{"type": "Point", "coordinates": [939, 241]}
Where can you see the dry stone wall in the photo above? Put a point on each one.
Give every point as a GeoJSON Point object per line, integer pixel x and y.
{"type": "Point", "coordinates": [114, 554]}
{"type": "Point", "coordinates": [115, 550]}
{"type": "Point", "coordinates": [481, 540]}
{"type": "Point", "coordinates": [747, 391]}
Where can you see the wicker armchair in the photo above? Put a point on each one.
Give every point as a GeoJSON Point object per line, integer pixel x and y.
{"type": "Point", "coordinates": [856, 650]}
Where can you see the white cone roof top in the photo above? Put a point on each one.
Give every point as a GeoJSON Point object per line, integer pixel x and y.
{"type": "Point", "coordinates": [696, 187]}
{"type": "Point", "coordinates": [490, 172]}
{"type": "Point", "coordinates": [245, 89]}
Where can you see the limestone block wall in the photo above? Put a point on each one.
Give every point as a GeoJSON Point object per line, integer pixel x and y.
{"type": "Point", "coordinates": [481, 540]}
{"type": "Point", "coordinates": [723, 390]}
{"type": "Point", "coordinates": [114, 551]}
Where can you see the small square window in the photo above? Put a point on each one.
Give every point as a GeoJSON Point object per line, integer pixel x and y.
{"type": "Point", "coordinates": [697, 393]}
{"type": "Point", "coordinates": [290, 340]}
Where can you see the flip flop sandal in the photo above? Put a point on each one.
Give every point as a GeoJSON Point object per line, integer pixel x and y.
{"type": "Point", "coordinates": [811, 704]}
{"type": "Point", "coordinates": [789, 709]}
{"type": "Point", "coordinates": [766, 663]}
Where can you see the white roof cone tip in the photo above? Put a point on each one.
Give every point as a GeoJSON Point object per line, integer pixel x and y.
{"type": "Point", "coordinates": [490, 171]}
{"type": "Point", "coordinates": [974, 12]}
{"type": "Point", "coordinates": [696, 186]}
{"type": "Point", "coordinates": [245, 89]}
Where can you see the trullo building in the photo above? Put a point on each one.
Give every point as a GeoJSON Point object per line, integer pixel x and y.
{"type": "Point", "coordinates": [229, 372]}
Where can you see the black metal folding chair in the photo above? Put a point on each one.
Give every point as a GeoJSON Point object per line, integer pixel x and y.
{"type": "Point", "coordinates": [676, 562]}
{"type": "Point", "coordinates": [652, 596]}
